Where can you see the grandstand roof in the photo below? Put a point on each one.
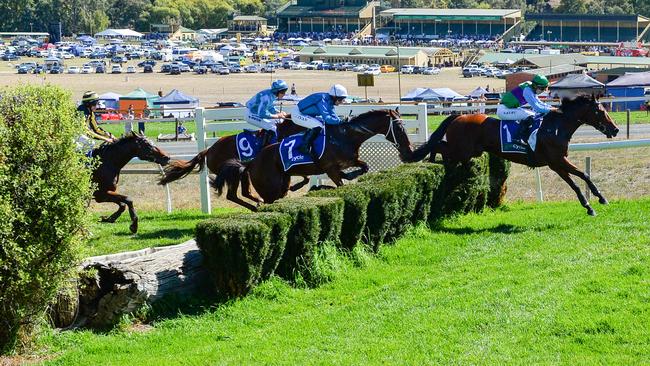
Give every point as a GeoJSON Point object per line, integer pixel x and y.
{"type": "Point", "coordinates": [361, 51]}
{"type": "Point", "coordinates": [618, 60]}
{"type": "Point", "coordinates": [248, 18]}
{"type": "Point", "coordinates": [452, 14]}
{"type": "Point", "coordinates": [585, 17]}
{"type": "Point", "coordinates": [556, 70]}
{"type": "Point", "coordinates": [295, 11]}
{"type": "Point", "coordinates": [550, 60]}
{"type": "Point", "coordinates": [491, 58]}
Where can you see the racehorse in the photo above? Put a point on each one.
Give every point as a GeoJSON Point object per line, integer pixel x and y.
{"type": "Point", "coordinates": [113, 156]}
{"type": "Point", "coordinates": [272, 182]}
{"type": "Point", "coordinates": [468, 136]}
{"type": "Point", "coordinates": [224, 149]}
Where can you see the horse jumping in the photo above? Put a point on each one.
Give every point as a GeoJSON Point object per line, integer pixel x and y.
{"type": "Point", "coordinates": [112, 158]}
{"type": "Point", "coordinates": [224, 149]}
{"type": "Point", "coordinates": [468, 136]}
{"type": "Point", "coordinates": [272, 182]}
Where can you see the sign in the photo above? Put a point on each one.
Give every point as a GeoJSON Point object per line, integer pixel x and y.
{"type": "Point", "coordinates": [238, 36]}
{"type": "Point", "coordinates": [365, 80]}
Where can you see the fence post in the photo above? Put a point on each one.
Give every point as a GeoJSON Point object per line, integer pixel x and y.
{"type": "Point", "coordinates": [628, 124]}
{"type": "Point", "coordinates": [423, 116]}
{"type": "Point", "coordinates": [203, 176]}
{"type": "Point", "coordinates": [540, 194]}
{"type": "Point", "coordinates": [588, 172]}
{"type": "Point", "coordinates": [168, 191]}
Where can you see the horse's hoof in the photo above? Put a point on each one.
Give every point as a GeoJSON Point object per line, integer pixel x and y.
{"type": "Point", "coordinates": [134, 226]}
{"type": "Point", "coordinates": [591, 212]}
{"type": "Point", "coordinates": [603, 201]}
{"type": "Point", "coordinates": [106, 219]}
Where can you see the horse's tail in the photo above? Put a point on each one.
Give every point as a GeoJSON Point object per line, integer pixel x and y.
{"type": "Point", "coordinates": [178, 169]}
{"type": "Point", "coordinates": [229, 173]}
{"type": "Point", "coordinates": [422, 151]}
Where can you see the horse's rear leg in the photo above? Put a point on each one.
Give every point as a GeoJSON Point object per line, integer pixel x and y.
{"type": "Point", "coordinates": [115, 215]}
{"type": "Point", "coordinates": [122, 201]}
{"type": "Point", "coordinates": [592, 187]}
{"type": "Point", "coordinates": [565, 175]}
{"type": "Point", "coordinates": [302, 183]}
{"type": "Point", "coordinates": [246, 188]}
{"type": "Point", "coordinates": [363, 169]}
{"type": "Point", "coordinates": [233, 186]}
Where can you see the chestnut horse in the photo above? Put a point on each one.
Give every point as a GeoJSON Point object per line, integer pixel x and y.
{"type": "Point", "coordinates": [468, 136]}
{"type": "Point", "coordinates": [224, 149]}
{"type": "Point", "coordinates": [271, 182]}
{"type": "Point", "coordinates": [113, 156]}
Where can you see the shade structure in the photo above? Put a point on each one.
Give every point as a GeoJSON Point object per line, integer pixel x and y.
{"type": "Point", "coordinates": [577, 81]}
{"type": "Point", "coordinates": [478, 92]}
{"type": "Point", "coordinates": [111, 100]}
{"type": "Point", "coordinates": [631, 79]}
{"type": "Point", "coordinates": [435, 94]}
{"type": "Point", "coordinates": [177, 104]}
{"type": "Point", "coordinates": [138, 99]}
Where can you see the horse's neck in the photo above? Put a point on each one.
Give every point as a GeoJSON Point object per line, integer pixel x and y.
{"type": "Point", "coordinates": [118, 156]}
{"type": "Point", "coordinates": [360, 131]}
{"type": "Point", "coordinates": [569, 122]}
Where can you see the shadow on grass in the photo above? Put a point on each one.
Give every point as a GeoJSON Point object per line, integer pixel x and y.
{"type": "Point", "coordinates": [164, 234]}
{"type": "Point", "coordinates": [499, 229]}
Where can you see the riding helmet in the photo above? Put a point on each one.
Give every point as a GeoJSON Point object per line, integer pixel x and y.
{"type": "Point", "coordinates": [338, 91]}
{"type": "Point", "coordinates": [90, 97]}
{"type": "Point", "coordinates": [278, 86]}
{"type": "Point", "coordinates": [540, 81]}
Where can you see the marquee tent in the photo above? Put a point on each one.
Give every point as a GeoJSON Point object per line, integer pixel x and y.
{"type": "Point", "coordinates": [111, 100]}
{"type": "Point", "coordinates": [478, 92]}
{"type": "Point", "coordinates": [139, 99]}
{"type": "Point", "coordinates": [632, 84]}
{"type": "Point", "coordinates": [179, 103]}
{"type": "Point", "coordinates": [575, 84]}
{"type": "Point", "coordinates": [429, 94]}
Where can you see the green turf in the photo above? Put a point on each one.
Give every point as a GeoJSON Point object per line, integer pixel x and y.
{"type": "Point", "coordinates": [155, 229]}
{"type": "Point", "coordinates": [527, 284]}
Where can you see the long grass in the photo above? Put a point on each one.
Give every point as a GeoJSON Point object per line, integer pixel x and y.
{"type": "Point", "coordinates": [530, 283]}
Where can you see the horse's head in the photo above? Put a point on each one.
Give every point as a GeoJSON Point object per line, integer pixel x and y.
{"type": "Point", "coordinates": [146, 150]}
{"type": "Point", "coordinates": [590, 111]}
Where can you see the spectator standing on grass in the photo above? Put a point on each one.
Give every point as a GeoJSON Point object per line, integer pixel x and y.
{"type": "Point", "coordinates": [293, 89]}
{"type": "Point", "coordinates": [145, 115]}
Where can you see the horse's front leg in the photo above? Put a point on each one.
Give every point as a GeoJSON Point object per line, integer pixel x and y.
{"type": "Point", "coordinates": [564, 174]}
{"type": "Point", "coordinates": [575, 171]}
{"type": "Point", "coordinates": [363, 169]}
{"type": "Point", "coordinates": [302, 183]}
{"type": "Point", "coordinates": [110, 196]}
{"type": "Point", "coordinates": [335, 174]}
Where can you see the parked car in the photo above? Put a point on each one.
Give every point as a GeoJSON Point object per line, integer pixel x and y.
{"type": "Point", "coordinates": [185, 67]}
{"type": "Point", "coordinates": [147, 62]}
{"type": "Point", "coordinates": [130, 70]}
{"type": "Point", "coordinates": [469, 72]}
{"type": "Point", "coordinates": [268, 68]}
{"type": "Point", "coordinates": [252, 69]}
{"type": "Point", "coordinates": [118, 60]}
{"type": "Point", "coordinates": [373, 71]}
{"type": "Point", "coordinates": [56, 69]}
{"type": "Point", "coordinates": [87, 69]}
{"type": "Point", "coordinates": [29, 65]}
{"type": "Point", "coordinates": [360, 68]}
{"type": "Point", "coordinates": [431, 71]}
{"type": "Point", "coordinates": [224, 70]}
{"type": "Point", "coordinates": [324, 66]}
{"type": "Point", "coordinates": [166, 68]}
{"type": "Point", "coordinates": [10, 57]}
{"type": "Point", "coordinates": [406, 69]}
{"type": "Point", "coordinates": [116, 69]}
{"type": "Point", "coordinates": [229, 105]}
{"type": "Point", "coordinates": [95, 63]}
{"type": "Point", "coordinates": [24, 69]}
{"type": "Point", "coordinates": [147, 69]}
{"type": "Point", "coordinates": [174, 70]}
{"type": "Point", "coordinates": [100, 69]}
{"type": "Point", "coordinates": [346, 66]}
{"type": "Point", "coordinates": [73, 70]}
{"type": "Point", "coordinates": [40, 69]}
{"type": "Point", "coordinates": [235, 69]}
{"type": "Point", "coordinates": [387, 68]}
{"type": "Point", "coordinates": [201, 70]}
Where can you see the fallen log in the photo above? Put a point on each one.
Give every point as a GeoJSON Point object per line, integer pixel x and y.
{"type": "Point", "coordinates": [114, 285]}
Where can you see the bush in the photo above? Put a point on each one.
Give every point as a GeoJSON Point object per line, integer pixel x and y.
{"type": "Point", "coordinates": [44, 190]}
{"type": "Point", "coordinates": [355, 209]}
{"type": "Point", "coordinates": [464, 189]}
{"type": "Point", "coordinates": [303, 234]}
{"type": "Point", "coordinates": [279, 224]}
{"type": "Point", "coordinates": [331, 218]}
{"type": "Point", "coordinates": [234, 251]}
{"type": "Point", "coordinates": [499, 171]}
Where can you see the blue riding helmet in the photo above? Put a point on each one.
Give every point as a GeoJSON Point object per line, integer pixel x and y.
{"type": "Point", "coordinates": [279, 85]}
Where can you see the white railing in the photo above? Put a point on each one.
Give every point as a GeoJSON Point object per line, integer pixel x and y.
{"type": "Point", "coordinates": [593, 146]}
{"type": "Point", "coordinates": [231, 119]}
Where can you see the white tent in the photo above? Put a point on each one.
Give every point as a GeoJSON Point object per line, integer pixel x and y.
{"type": "Point", "coordinates": [118, 33]}
{"type": "Point", "coordinates": [111, 100]}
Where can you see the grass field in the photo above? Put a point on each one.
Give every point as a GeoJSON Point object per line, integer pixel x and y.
{"type": "Point", "coordinates": [530, 283]}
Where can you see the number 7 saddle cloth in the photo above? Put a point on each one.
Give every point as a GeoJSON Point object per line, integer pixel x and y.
{"type": "Point", "coordinates": [290, 155]}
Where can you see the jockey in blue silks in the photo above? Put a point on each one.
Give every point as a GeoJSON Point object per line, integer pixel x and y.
{"type": "Point", "coordinates": [316, 111]}
{"type": "Point", "coordinates": [262, 113]}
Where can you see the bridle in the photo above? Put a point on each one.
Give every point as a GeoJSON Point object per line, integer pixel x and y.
{"type": "Point", "coordinates": [391, 131]}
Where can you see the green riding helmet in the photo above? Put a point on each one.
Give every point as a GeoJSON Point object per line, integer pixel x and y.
{"type": "Point", "coordinates": [540, 81]}
{"type": "Point", "coordinates": [90, 97]}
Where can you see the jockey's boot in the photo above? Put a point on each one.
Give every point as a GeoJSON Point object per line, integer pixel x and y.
{"type": "Point", "coordinates": [267, 137]}
{"type": "Point", "coordinates": [308, 140]}
{"type": "Point", "coordinates": [524, 133]}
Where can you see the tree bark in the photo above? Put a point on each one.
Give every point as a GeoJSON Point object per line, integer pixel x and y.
{"type": "Point", "coordinates": [118, 284]}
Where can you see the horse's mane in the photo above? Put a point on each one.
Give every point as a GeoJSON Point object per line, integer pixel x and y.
{"type": "Point", "coordinates": [109, 145]}
{"type": "Point", "coordinates": [581, 99]}
{"type": "Point", "coordinates": [364, 115]}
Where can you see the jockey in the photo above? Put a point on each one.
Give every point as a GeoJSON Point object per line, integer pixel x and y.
{"type": "Point", "coordinates": [316, 111]}
{"type": "Point", "coordinates": [93, 131]}
{"type": "Point", "coordinates": [262, 113]}
{"type": "Point", "coordinates": [512, 103]}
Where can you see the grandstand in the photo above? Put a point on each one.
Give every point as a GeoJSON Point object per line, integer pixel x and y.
{"type": "Point", "coordinates": [588, 28]}
{"type": "Point", "coordinates": [446, 23]}
{"type": "Point", "coordinates": [326, 16]}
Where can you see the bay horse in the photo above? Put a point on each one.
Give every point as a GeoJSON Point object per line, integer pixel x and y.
{"type": "Point", "coordinates": [113, 156]}
{"type": "Point", "coordinates": [272, 182]}
{"type": "Point", "coordinates": [468, 136]}
{"type": "Point", "coordinates": [223, 149]}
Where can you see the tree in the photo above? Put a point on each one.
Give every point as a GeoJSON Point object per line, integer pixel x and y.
{"type": "Point", "coordinates": [572, 7]}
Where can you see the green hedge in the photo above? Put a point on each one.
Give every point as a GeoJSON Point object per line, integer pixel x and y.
{"type": "Point", "coordinates": [499, 171]}
{"type": "Point", "coordinates": [355, 209]}
{"type": "Point", "coordinates": [44, 191]}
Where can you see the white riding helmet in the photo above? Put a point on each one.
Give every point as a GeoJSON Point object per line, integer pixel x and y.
{"type": "Point", "coordinates": [338, 91]}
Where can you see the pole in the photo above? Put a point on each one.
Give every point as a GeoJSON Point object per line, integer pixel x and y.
{"type": "Point", "coordinates": [628, 124]}
{"type": "Point", "coordinates": [540, 194]}
{"type": "Point", "coordinates": [399, 75]}
{"type": "Point", "coordinates": [588, 172]}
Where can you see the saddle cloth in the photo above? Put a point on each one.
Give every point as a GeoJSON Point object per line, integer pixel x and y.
{"type": "Point", "coordinates": [291, 156]}
{"type": "Point", "coordinates": [249, 144]}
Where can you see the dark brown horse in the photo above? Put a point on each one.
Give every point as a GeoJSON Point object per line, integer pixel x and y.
{"type": "Point", "coordinates": [468, 136]}
{"type": "Point", "coordinates": [112, 158]}
{"type": "Point", "coordinates": [224, 149]}
{"type": "Point", "coordinates": [271, 182]}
